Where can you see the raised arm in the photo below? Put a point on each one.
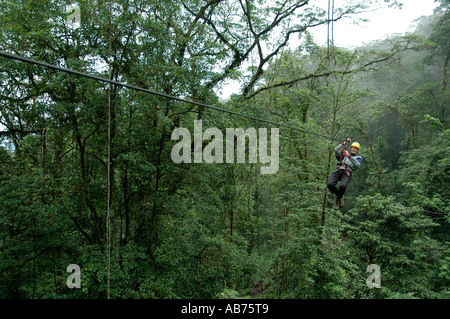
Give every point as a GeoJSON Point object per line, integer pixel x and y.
{"type": "Point", "coordinates": [338, 149]}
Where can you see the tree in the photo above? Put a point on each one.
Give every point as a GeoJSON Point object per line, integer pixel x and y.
{"type": "Point", "coordinates": [440, 36]}
{"type": "Point", "coordinates": [397, 238]}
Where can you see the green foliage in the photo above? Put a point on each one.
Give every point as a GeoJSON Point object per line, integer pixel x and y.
{"type": "Point", "coordinates": [397, 238]}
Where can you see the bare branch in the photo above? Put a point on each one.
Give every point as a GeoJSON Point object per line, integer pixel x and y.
{"type": "Point", "coordinates": [371, 65]}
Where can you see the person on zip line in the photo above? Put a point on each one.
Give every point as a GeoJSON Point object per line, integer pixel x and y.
{"type": "Point", "coordinates": [347, 164]}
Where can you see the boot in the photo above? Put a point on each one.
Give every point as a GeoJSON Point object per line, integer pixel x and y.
{"type": "Point", "coordinates": [341, 201]}
{"type": "Point", "coordinates": [336, 203]}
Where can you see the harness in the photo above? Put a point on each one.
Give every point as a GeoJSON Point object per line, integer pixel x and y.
{"type": "Point", "coordinates": [342, 163]}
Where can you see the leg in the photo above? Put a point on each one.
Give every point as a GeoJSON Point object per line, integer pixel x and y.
{"type": "Point", "coordinates": [332, 181]}
{"type": "Point", "coordinates": [345, 180]}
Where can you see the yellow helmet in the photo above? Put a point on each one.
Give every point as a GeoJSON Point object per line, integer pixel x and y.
{"type": "Point", "coordinates": [356, 144]}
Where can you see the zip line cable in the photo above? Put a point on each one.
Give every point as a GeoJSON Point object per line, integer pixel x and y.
{"type": "Point", "coordinates": [136, 88]}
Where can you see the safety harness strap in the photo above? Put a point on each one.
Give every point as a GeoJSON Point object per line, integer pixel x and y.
{"type": "Point", "coordinates": [342, 163]}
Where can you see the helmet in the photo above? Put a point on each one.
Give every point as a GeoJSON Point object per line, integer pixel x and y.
{"type": "Point", "coordinates": [356, 144]}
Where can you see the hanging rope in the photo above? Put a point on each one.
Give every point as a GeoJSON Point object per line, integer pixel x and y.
{"type": "Point", "coordinates": [108, 208]}
{"type": "Point", "coordinates": [330, 29]}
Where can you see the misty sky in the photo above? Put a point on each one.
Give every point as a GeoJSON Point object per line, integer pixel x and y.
{"type": "Point", "coordinates": [381, 24]}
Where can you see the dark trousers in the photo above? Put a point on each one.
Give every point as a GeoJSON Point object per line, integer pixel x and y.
{"type": "Point", "coordinates": [338, 175]}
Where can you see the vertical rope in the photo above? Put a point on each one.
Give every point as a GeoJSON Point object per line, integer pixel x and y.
{"type": "Point", "coordinates": [332, 30]}
{"type": "Point", "coordinates": [328, 30]}
{"type": "Point", "coordinates": [108, 215]}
